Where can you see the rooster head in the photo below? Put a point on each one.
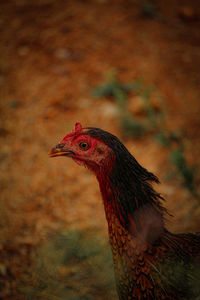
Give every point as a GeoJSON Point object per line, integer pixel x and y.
{"type": "Point", "coordinates": [83, 148]}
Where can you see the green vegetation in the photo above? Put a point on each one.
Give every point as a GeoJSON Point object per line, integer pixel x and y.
{"type": "Point", "coordinates": [72, 265]}
{"type": "Point", "coordinates": [151, 121]}
{"type": "Point", "coordinates": [148, 10]}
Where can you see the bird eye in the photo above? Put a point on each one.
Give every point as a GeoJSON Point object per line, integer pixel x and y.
{"type": "Point", "coordinates": [84, 146]}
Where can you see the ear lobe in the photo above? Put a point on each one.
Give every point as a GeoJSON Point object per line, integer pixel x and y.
{"type": "Point", "coordinates": [78, 127]}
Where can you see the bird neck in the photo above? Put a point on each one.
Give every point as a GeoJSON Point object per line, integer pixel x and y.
{"type": "Point", "coordinates": [132, 203]}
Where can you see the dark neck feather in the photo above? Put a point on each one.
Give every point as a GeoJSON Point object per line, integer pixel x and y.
{"type": "Point", "coordinates": [126, 188]}
{"type": "Point", "coordinates": [132, 185]}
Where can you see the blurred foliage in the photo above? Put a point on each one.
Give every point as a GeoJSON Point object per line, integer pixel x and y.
{"type": "Point", "coordinates": [148, 10]}
{"type": "Point", "coordinates": [72, 265]}
{"type": "Point", "coordinates": [132, 127]}
{"type": "Point", "coordinates": [153, 122]}
{"type": "Point", "coordinates": [187, 172]}
{"type": "Point", "coordinates": [119, 92]}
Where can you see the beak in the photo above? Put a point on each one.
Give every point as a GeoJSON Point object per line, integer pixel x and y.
{"type": "Point", "coordinates": [60, 151]}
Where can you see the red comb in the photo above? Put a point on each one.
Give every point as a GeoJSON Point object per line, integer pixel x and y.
{"type": "Point", "coordinates": [78, 127]}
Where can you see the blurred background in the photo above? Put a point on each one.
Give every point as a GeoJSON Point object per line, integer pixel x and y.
{"type": "Point", "coordinates": [130, 67]}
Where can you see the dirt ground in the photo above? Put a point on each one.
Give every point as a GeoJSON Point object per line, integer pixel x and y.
{"type": "Point", "coordinates": [53, 55]}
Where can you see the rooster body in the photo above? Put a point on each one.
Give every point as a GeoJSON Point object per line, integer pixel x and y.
{"type": "Point", "coordinates": [149, 261]}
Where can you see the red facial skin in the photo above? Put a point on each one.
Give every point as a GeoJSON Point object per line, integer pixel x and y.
{"type": "Point", "coordinates": [97, 155]}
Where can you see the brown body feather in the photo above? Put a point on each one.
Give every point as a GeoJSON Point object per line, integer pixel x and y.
{"type": "Point", "coordinates": [150, 262]}
{"type": "Point", "coordinates": [165, 269]}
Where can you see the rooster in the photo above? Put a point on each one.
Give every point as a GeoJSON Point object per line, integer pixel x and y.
{"type": "Point", "coordinates": [149, 261]}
